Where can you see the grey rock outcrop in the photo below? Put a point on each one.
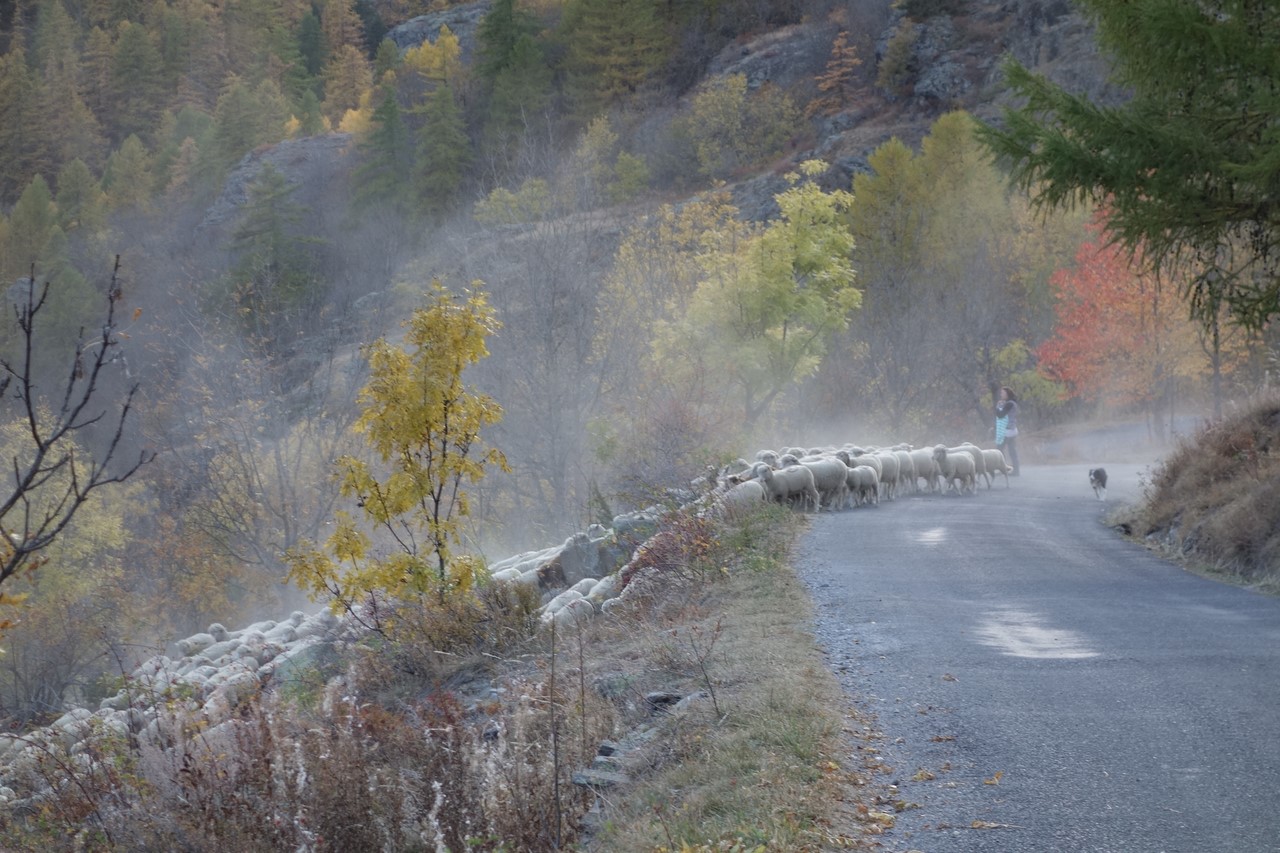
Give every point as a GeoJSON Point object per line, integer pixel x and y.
{"type": "Point", "coordinates": [462, 21]}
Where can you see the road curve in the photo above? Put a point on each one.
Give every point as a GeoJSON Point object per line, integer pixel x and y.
{"type": "Point", "coordinates": [1036, 673]}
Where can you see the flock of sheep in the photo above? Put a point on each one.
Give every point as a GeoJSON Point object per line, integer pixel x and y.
{"type": "Point", "coordinates": [851, 476]}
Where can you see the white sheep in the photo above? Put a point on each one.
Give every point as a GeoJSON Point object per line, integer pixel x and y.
{"type": "Point", "coordinates": [890, 468]}
{"type": "Point", "coordinates": [790, 484]}
{"type": "Point", "coordinates": [926, 469]}
{"type": "Point", "coordinates": [853, 456]}
{"type": "Point", "coordinates": [956, 467]}
{"type": "Point", "coordinates": [979, 461]}
{"type": "Point", "coordinates": [864, 485]}
{"type": "Point", "coordinates": [906, 468]}
{"type": "Point", "coordinates": [996, 464]}
{"type": "Point", "coordinates": [742, 497]}
{"type": "Point", "coordinates": [830, 478]}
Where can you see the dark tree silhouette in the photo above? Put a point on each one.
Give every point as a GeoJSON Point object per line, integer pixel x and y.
{"type": "Point", "coordinates": [44, 483]}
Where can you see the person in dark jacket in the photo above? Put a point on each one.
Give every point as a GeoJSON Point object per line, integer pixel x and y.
{"type": "Point", "coordinates": [1007, 426]}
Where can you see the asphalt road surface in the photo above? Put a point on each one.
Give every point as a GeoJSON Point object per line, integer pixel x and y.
{"type": "Point", "coordinates": [1036, 673]}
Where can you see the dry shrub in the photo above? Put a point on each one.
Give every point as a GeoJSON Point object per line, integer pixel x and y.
{"type": "Point", "coordinates": [357, 776]}
{"type": "Point", "coordinates": [681, 551]}
{"type": "Point", "coordinates": [1218, 493]}
{"type": "Point", "coordinates": [431, 641]}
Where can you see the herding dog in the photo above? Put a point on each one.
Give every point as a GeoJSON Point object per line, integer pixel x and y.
{"type": "Point", "coordinates": [1098, 479]}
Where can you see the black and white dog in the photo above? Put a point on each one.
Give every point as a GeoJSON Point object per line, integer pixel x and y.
{"type": "Point", "coordinates": [1098, 479]}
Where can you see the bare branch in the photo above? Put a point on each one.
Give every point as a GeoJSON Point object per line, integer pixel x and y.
{"type": "Point", "coordinates": [49, 484]}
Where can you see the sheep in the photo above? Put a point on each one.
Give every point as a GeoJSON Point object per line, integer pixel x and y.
{"type": "Point", "coordinates": [996, 464]}
{"type": "Point", "coordinates": [787, 484]}
{"type": "Point", "coordinates": [742, 497]}
{"type": "Point", "coordinates": [789, 460]}
{"type": "Point", "coordinates": [768, 457]}
{"type": "Point", "coordinates": [890, 468]}
{"type": "Point", "coordinates": [864, 485]}
{"type": "Point", "coordinates": [956, 467]}
{"type": "Point", "coordinates": [926, 469]}
{"type": "Point", "coordinates": [830, 476]}
{"type": "Point", "coordinates": [979, 461]}
{"type": "Point", "coordinates": [906, 468]}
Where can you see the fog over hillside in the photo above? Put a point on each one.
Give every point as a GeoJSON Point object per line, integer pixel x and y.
{"type": "Point", "coordinates": [675, 286]}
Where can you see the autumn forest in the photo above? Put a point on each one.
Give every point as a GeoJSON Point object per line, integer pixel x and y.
{"type": "Point", "coordinates": [666, 269]}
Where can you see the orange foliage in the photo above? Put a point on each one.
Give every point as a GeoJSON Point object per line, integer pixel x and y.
{"type": "Point", "coordinates": [1123, 334]}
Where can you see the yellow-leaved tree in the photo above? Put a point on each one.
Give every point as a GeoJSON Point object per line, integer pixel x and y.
{"type": "Point", "coordinates": [423, 424]}
{"type": "Point", "coordinates": [768, 301]}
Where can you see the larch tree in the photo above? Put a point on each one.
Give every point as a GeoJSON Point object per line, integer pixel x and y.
{"type": "Point", "coordinates": [1188, 165]}
{"type": "Point", "coordinates": [615, 49]}
{"type": "Point", "coordinates": [137, 73]}
{"type": "Point", "coordinates": [347, 76]}
{"type": "Point", "coordinates": [423, 425]}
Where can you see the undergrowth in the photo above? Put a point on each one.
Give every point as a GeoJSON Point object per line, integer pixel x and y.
{"type": "Point", "coordinates": [1216, 497]}
{"type": "Point", "coordinates": [460, 727]}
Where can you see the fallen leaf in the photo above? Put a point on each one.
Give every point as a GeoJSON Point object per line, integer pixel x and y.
{"type": "Point", "coordinates": [949, 677]}
{"type": "Point", "coordinates": [994, 780]}
{"type": "Point", "coordinates": [923, 775]}
{"type": "Point", "coordinates": [882, 818]}
{"type": "Point", "coordinates": [942, 738]}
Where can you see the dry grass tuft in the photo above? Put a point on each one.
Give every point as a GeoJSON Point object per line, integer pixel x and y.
{"type": "Point", "coordinates": [1216, 498]}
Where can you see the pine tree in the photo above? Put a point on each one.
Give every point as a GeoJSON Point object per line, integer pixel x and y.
{"type": "Point", "coordinates": [383, 177]}
{"type": "Point", "coordinates": [31, 223]}
{"type": "Point", "coordinates": [273, 282]}
{"type": "Point", "coordinates": [444, 152]}
{"type": "Point", "coordinates": [81, 203]}
{"type": "Point", "coordinates": [96, 62]}
{"type": "Point", "coordinates": [128, 179]}
{"type": "Point", "coordinates": [309, 115]}
{"type": "Point", "coordinates": [18, 107]}
{"type": "Point", "coordinates": [246, 118]}
{"type": "Point", "coordinates": [311, 44]}
{"type": "Point", "coordinates": [521, 91]}
{"type": "Point", "coordinates": [136, 74]}
{"type": "Point", "coordinates": [502, 27]}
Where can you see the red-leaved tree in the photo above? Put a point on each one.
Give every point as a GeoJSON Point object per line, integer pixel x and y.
{"type": "Point", "coordinates": [1123, 336]}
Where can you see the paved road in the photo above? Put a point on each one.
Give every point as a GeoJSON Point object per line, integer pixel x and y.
{"type": "Point", "coordinates": [1055, 679]}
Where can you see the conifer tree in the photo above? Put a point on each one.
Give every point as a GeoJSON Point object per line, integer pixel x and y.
{"type": "Point", "coordinates": [136, 76]}
{"type": "Point", "coordinates": [341, 26]}
{"type": "Point", "coordinates": [1188, 165]}
{"type": "Point", "coordinates": [128, 179]}
{"type": "Point", "coordinates": [521, 91]}
{"type": "Point", "coordinates": [347, 77]}
{"type": "Point", "coordinates": [31, 223]}
{"type": "Point", "coordinates": [384, 176]}
{"type": "Point", "coordinates": [81, 203]}
{"type": "Point", "coordinates": [273, 281]}
{"type": "Point", "coordinates": [502, 27]}
{"type": "Point", "coordinates": [616, 48]}
{"type": "Point", "coordinates": [19, 154]}
{"type": "Point", "coordinates": [444, 152]}
{"type": "Point", "coordinates": [836, 83]}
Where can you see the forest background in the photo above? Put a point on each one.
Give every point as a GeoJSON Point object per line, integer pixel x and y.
{"type": "Point", "coordinates": [704, 226]}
